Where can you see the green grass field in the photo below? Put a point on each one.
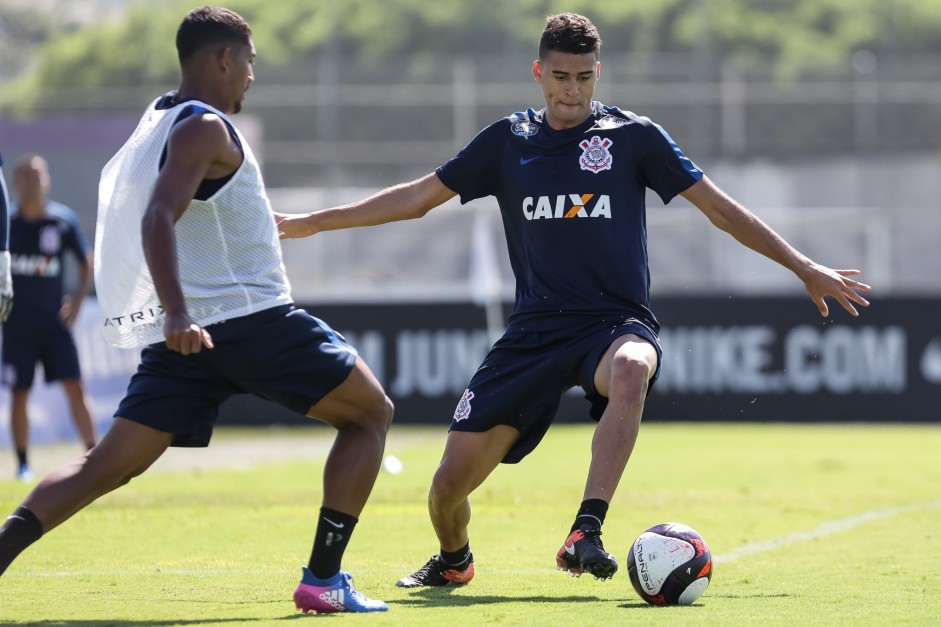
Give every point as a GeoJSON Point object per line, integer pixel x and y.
{"type": "Point", "coordinates": [813, 524]}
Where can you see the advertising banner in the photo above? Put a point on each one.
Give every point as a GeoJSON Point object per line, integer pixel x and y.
{"type": "Point", "coordinates": [725, 359]}
{"type": "Point", "coordinates": [776, 359]}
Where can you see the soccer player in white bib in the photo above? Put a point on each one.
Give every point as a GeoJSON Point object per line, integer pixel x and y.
{"type": "Point", "coordinates": [188, 266]}
{"type": "Point", "coordinates": [570, 180]}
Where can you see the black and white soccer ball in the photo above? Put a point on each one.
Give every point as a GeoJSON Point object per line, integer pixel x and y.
{"type": "Point", "coordinates": [670, 564]}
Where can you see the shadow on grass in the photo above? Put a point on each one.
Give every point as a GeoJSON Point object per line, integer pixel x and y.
{"type": "Point", "coordinates": [136, 621]}
{"type": "Point", "coordinates": [442, 597]}
{"type": "Point", "coordinates": [435, 597]}
{"type": "Point", "coordinates": [643, 604]}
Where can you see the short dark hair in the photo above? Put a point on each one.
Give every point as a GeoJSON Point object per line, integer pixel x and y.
{"type": "Point", "coordinates": [210, 26]}
{"type": "Point", "coordinates": [570, 33]}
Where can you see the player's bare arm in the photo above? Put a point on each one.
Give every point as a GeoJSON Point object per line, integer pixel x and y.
{"type": "Point", "coordinates": [399, 202]}
{"type": "Point", "coordinates": [820, 281]}
{"type": "Point", "coordinates": [72, 304]}
{"type": "Point", "coordinates": [199, 147]}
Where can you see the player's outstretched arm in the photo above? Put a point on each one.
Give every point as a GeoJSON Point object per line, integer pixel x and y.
{"type": "Point", "coordinates": [400, 202]}
{"type": "Point", "coordinates": [820, 281]}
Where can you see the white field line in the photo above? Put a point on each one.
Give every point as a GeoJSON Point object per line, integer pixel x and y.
{"type": "Point", "coordinates": [825, 529]}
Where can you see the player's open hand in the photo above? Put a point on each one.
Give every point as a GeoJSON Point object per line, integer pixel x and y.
{"type": "Point", "coordinates": [293, 225]}
{"type": "Point", "coordinates": [184, 336]}
{"type": "Point", "coordinates": [822, 282]}
{"type": "Point", "coordinates": [68, 312]}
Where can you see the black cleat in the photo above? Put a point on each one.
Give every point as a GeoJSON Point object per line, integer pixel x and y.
{"type": "Point", "coordinates": [438, 574]}
{"type": "Point", "coordinates": [583, 553]}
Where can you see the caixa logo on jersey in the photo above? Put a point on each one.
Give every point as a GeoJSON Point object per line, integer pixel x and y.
{"type": "Point", "coordinates": [35, 265]}
{"type": "Point", "coordinates": [567, 206]}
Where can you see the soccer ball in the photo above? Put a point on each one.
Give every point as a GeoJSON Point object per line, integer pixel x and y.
{"type": "Point", "coordinates": [670, 564]}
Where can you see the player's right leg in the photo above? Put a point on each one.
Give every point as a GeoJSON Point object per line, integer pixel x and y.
{"type": "Point", "coordinates": [20, 355]}
{"type": "Point", "coordinates": [361, 413]}
{"type": "Point", "coordinates": [468, 460]}
{"type": "Point", "coordinates": [19, 430]}
{"type": "Point", "coordinates": [127, 450]}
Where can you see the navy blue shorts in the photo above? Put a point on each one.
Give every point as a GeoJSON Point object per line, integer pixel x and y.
{"type": "Point", "coordinates": [521, 380]}
{"type": "Point", "coordinates": [50, 344]}
{"type": "Point", "coordinates": [281, 354]}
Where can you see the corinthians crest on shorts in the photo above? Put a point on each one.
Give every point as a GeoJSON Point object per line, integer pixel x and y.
{"type": "Point", "coordinates": [464, 406]}
{"type": "Point", "coordinates": [595, 156]}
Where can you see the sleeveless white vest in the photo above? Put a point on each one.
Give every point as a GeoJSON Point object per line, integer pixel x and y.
{"type": "Point", "coordinates": [229, 255]}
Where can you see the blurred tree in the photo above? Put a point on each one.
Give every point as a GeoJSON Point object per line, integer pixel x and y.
{"type": "Point", "coordinates": [796, 37]}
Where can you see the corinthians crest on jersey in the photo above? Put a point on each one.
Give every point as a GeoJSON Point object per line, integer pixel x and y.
{"type": "Point", "coordinates": [595, 155]}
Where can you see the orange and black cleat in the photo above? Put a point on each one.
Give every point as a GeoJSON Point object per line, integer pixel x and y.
{"type": "Point", "coordinates": [438, 574]}
{"type": "Point", "coordinates": [583, 552]}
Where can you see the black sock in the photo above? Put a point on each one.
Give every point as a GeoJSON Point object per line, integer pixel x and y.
{"type": "Point", "coordinates": [21, 457]}
{"type": "Point", "coordinates": [333, 534]}
{"type": "Point", "coordinates": [591, 514]}
{"type": "Point", "coordinates": [20, 530]}
{"type": "Point", "coordinates": [455, 558]}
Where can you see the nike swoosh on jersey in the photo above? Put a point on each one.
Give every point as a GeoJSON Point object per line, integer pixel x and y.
{"type": "Point", "coordinates": [525, 160]}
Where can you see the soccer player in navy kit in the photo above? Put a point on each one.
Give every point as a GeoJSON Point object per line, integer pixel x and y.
{"type": "Point", "coordinates": [187, 252]}
{"type": "Point", "coordinates": [42, 231]}
{"type": "Point", "coordinates": [570, 182]}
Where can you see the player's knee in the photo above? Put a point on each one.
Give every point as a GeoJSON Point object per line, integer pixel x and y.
{"type": "Point", "coordinates": [448, 485]}
{"type": "Point", "coordinates": [376, 416]}
{"type": "Point", "coordinates": [381, 415]}
{"type": "Point", "coordinates": [105, 473]}
{"type": "Point", "coordinates": [630, 373]}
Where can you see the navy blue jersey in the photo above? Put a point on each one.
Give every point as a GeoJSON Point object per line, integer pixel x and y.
{"type": "Point", "coordinates": [37, 248]}
{"type": "Point", "coordinates": [573, 206]}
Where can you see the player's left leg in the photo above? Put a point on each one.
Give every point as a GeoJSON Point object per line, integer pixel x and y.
{"type": "Point", "coordinates": [78, 406]}
{"type": "Point", "coordinates": [59, 356]}
{"type": "Point", "coordinates": [622, 375]}
{"type": "Point", "coordinates": [469, 458]}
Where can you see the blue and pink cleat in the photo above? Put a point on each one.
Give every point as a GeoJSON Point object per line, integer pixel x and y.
{"type": "Point", "coordinates": [335, 594]}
